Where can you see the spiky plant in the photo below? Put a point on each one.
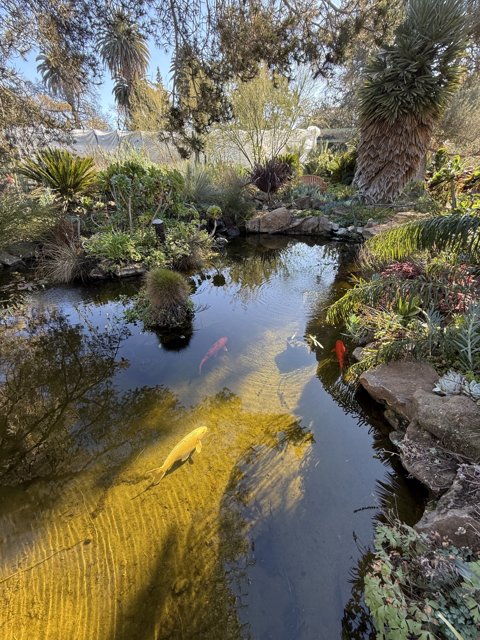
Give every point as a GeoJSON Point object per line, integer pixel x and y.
{"type": "Point", "coordinates": [67, 175]}
{"type": "Point", "coordinates": [167, 297]}
{"type": "Point", "coordinates": [459, 233]}
{"type": "Point", "coordinates": [272, 175]}
{"type": "Point", "coordinates": [407, 85]}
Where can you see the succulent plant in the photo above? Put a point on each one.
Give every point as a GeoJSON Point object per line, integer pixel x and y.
{"type": "Point", "coordinates": [472, 390]}
{"type": "Point", "coordinates": [451, 384]}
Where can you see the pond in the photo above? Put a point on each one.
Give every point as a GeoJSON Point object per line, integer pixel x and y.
{"type": "Point", "coordinates": [262, 534]}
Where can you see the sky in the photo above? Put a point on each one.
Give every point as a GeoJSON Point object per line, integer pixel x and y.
{"type": "Point", "coordinates": [158, 59]}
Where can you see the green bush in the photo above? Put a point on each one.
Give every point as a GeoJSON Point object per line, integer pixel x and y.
{"type": "Point", "coordinates": [67, 175]}
{"type": "Point", "coordinates": [25, 216]}
{"type": "Point", "coordinates": [198, 186]}
{"type": "Point", "coordinates": [117, 246]}
{"type": "Point", "coordinates": [336, 167]}
{"type": "Point", "coordinates": [164, 301]}
{"type": "Point", "coordinates": [186, 247]}
{"type": "Point", "coordinates": [231, 194]}
{"type": "Point", "coordinates": [142, 190]}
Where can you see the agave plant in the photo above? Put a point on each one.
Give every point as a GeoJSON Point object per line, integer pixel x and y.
{"type": "Point", "coordinates": [67, 175]}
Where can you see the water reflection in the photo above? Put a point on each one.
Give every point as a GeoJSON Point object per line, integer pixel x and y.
{"type": "Point", "coordinates": [259, 535]}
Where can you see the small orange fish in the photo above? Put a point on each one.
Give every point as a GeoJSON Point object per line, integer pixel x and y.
{"type": "Point", "coordinates": [340, 352]}
{"type": "Point", "coordinates": [220, 344]}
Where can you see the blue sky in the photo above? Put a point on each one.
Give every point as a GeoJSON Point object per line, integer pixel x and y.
{"type": "Point", "coordinates": [158, 59]}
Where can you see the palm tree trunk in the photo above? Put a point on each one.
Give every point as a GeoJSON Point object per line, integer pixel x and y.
{"type": "Point", "coordinates": [389, 156]}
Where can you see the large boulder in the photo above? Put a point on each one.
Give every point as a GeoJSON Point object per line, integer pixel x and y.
{"type": "Point", "coordinates": [454, 420]}
{"type": "Point", "coordinates": [311, 225]}
{"type": "Point", "coordinates": [271, 221]}
{"type": "Point", "coordinates": [395, 384]}
{"type": "Point", "coordinates": [456, 514]}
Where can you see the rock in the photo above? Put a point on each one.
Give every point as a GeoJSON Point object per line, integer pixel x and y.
{"type": "Point", "coordinates": [10, 261]}
{"type": "Point", "coordinates": [315, 225]}
{"type": "Point", "coordinates": [335, 227]}
{"type": "Point", "coordinates": [25, 250]}
{"type": "Point", "coordinates": [180, 586]}
{"type": "Point", "coordinates": [318, 204]}
{"type": "Point", "coordinates": [425, 460]}
{"type": "Point", "coordinates": [97, 273]}
{"type": "Point", "coordinates": [351, 228]}
{"type": "Point", "coordinates": [233, 232]}
{"type": "Point", "coordinates": [357, 354]}
{"type": "Point", "coordinates": [341, 232]}
{"type": "Point", "coordinates": [130, 270]}
{"type": "Point", "coordinates": [303, 203]}
{"type": "Point", "coordinates": [454, 420]}
{"type": "Point", "coordinates": [394, 421]}
{"type": "Point", "coordinates": [372, 228]}
{"type": "Point", "coordinates": [456, 515]}
{"type": "Point", "coordinates": [359, 230]}
{"type": "Point", "coordinates": [395, 384]}
{"type": "Point", "coordinates": [271, 222]}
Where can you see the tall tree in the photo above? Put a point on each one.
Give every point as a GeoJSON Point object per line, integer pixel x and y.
{"type": "Point", "coordinates": [406, 87]}
{"type": "Point", "coordinates": [124, 50]}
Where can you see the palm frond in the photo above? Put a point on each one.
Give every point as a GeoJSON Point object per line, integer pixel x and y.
{"type": "Point", "coordinates": [455, 232]}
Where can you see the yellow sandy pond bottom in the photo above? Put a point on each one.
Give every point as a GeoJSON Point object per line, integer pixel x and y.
{"type": "Point", "coordinates": [95, 562]}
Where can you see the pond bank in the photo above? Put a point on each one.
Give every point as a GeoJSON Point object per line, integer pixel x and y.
{"type": "Point", "coordinates": [438, 442]}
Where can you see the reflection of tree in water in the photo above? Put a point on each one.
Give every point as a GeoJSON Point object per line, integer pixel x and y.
{"type": "Point", "coordinates": [58, 403]}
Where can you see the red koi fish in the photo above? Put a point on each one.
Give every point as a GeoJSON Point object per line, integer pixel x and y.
{"type": "Point", "coordinates": [214, 349]}
{"type": "Point", "coordinates": [340, 352]}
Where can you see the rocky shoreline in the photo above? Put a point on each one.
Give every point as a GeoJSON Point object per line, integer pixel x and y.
{"type": "Point", "coordinates": [438, 441]}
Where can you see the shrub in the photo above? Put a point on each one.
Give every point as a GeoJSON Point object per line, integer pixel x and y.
{"type": "Point", "coordinates": [67, 175]}
{"type": "Point", "coordinates": [142, 190]}
{"type": "Point", "coordinates": [198, 185]}
{"type": "Point", "coordinates": [117, 246]}
{"type": "Point", "coordinates": [186, 247]}
{"type": "Point", "coordinates": [25, 217]}
{"type": "Point", "coordinates": [272, 175]}
{"type": "Point", "coordinates": [231, 194]}
{"type": "Point", "coordinates": [336, 167]}
{"type": "Point", "coordinates": [165, 299]}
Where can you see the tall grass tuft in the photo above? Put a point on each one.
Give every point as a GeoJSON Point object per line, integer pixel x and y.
{"type": "Point", "coordinates": [167, 298]}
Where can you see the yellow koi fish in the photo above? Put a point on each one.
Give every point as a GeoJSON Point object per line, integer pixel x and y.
{"type": "Point", "coordinates": [183, 450]}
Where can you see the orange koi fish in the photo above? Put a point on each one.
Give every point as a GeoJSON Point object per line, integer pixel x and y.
{"type": "Point", "coordinates": [340, 352]}
{"type": "Point", "coordinates": [214, 349]}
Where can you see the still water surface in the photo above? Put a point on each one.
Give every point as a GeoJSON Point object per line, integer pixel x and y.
{"type": "Point", "coordinates": [261, 534]}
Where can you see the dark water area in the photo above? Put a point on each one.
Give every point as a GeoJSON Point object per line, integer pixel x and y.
{"type": "Point", "coordinates": [264, 533]}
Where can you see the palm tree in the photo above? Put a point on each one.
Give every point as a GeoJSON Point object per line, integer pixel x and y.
{"type": "Point", "coordinates": [124, 51]}
{"type": "Point", "coordinates": [63, 76]}
{"type": "Point", "coordinates": [407, 86]}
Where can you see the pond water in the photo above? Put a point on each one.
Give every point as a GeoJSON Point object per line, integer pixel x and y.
{"type": "Point", "coordinates": [260, 535]}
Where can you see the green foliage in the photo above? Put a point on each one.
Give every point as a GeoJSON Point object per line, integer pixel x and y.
{"type": "Point", "coordinates": [165, 288]}
{"type": "Point", "coordinates": [25, 216]}
{"type": "Point", "coordinates": [232, 196]}
{"type": "Point", "coordinates": [292, 159]}
{"type": "Point", "coordinates": [420, 71]}
{"type": "Point", "coordinates": [459, 233]}
{"type": "Point", "coordinates": [142, 190]}
{"type": "Point", "coordinates": [68, 176]}
{"type": "Point", "coordinates": [415, 584]}
{"type": "Point", "coordinates": [186, 247]}
{"type": "Point", "coordinates": [116, 246]}
{"type": "Point", "coordinates": [198, 186]}
{"type": "Point", "coordinates": [335, 167]}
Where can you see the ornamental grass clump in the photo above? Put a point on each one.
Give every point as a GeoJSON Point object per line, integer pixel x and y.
{"type": "Point", "coordinates": [166, 299]}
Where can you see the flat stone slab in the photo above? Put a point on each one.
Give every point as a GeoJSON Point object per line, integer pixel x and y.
{"type": "Point", "coordinates": [372, 229]}
{"type": "Point", "coordinates": [425, 460]}
{"type": "Point", "coordinates": [395, 384]}
{"type": "Point", "coordinates": [454, 420]}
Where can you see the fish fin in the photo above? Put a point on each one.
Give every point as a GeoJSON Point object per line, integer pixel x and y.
{"type": "Point", "coordinates": [198, 448]}
{"type": "Point", "coordinates": [225, 349]}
